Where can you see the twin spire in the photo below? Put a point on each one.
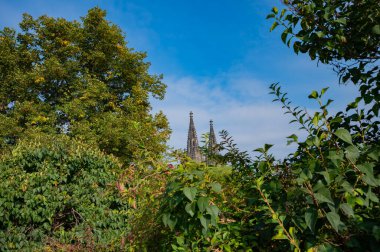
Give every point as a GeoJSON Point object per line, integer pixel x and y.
{"type": "Point", "coordinates": [192, 142]}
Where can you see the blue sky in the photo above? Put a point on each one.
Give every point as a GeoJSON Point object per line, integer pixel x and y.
{"type": "Point", "coordinates": [218, 59]}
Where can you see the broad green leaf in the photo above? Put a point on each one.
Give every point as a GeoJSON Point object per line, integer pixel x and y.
{"type": "Point", "coordinates": [202, 203]}
{"type": "Point", "coordinates": [372, 196]}
{"type": "Point", "coordinates": [366, 168]}
{"type": "Point", "coordinates": [371, 180]}
{"type": "Point", "coordinates": [203, 221]}
{"type": "Point", "coordinates": [347, 209]}
{"type": "Point", "coordinates": [212, 210]}
{"type": "Point", "coordinates": [311, 218]}
{"type": "Point", "coordinates": [335, 221]}
{"type": "Point", "coordinates": [323, 195]}
{"type": "Point", "coordinates": [190, 209]}
{"type": "Point", "coordinates": [216, 187]}
{"type": "Point", "coordinates": [344, 135]}
{"type": "Point", "coordinates": [352, 153]}
{"type": "Point", "coordinates": [190, 192]}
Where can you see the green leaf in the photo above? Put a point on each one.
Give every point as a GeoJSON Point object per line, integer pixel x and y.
{"type": "Point", "coordinates": [341, 21]}
{"type": "Point", "coordinates": [313, 95]}
{"type": "Point", "coordinates": [190, 192]}
{"type": "Point", "coordinates": [323, 195]}
{"type": "Point", "coordinates": [376, 29]}
{"type": "Point", "coordinates": [202, 203]}
{"type": "Point", "coordinates": [366, 168]}
{"type": "Point", "coordinates": [190, 209]}
{"type": "Point", "coordinates": [347, 209]}
{"type": "Point", "coordinates": [311, 218]}
{"type": "Point", "coordinates": [352, 153]}
{"type": "Point", "coordinates": [323, 91]}
{"type": "Point", "coordinates": [280, 235]}
{"type": "Point", "coordinates": [203, 221]}
{"type": "Point", "coordinates": [267, 147]}
{"type": "Point", "coordinates": [216, 187]}
{"type": "Point", "coordinates": [275, 10]}
{"type": "Point", "coordinates": [344, 135]}
{"type": "Point", "coordinates": [315, 121]}
{"type": "Point", "coordinates": [334, 220]}
{"type": "Point", "coordinates": [372, 196]}
{"type": "Point", "coordinates": [371, 180]}
{"type": "Point", "coordinates": [284, 35]}
{"type": "Point", "coordinates": [212, 210]}
{"type": "Point", "coordinates": [274, 25]}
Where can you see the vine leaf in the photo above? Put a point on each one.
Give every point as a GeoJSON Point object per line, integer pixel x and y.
{"type": "Point", "coordinates": [202, 203]}
{"type": "Point", "coordinates": [311, 218]}
{"type": "Point", "coordinates": [335, 221]}
{"type": "Point", "coordinates": [190, 209]}
{"type": "Point", "coordinates": [344, 135]}
{"type": "Point", "coordinates": [323, 195]}
{"type": "Point", "coordinates": [190, 192]}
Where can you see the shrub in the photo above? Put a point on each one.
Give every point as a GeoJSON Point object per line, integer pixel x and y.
{"type": "Point", "coordinates": [60, 193]}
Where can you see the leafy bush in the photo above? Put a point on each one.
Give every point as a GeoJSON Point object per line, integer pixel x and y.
{"type": "Point", "coordinates": [60, 193]}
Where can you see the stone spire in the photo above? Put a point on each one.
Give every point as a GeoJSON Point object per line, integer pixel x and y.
{"type": "Point", "coordinates": [211, 144]}
{"type": "Point", "coordinates": [192, 142]}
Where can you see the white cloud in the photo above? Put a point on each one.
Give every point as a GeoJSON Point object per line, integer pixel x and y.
{"type": "Point", "coordinates": [239, 106]}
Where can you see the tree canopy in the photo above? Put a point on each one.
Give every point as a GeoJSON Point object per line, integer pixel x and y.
{"type": "Point", "coordinates": [343, 33]}
{"type": "Point", "coordinates": [79, 78]}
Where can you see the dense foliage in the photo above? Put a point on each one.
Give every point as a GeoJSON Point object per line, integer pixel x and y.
{"type": "Point", "coordinates": [71, 85]}
{"type": "Point", "coordinates": [60, 194]}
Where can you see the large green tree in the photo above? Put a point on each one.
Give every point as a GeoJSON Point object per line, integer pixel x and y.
{"type": "Point", "coordinates": [79, 78]}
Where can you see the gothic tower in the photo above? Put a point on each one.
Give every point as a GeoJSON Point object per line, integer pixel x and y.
{"type": "Point", "coordinates": [211, 144]}
{"type": "Point", "coordinates": [192, 142]}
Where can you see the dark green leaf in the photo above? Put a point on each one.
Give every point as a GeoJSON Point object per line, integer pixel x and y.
{"type": "Point", "coordinates": [190, 209]}
{"type": "Point", "coordinates": [323, 195]}
{"type": "Point", "coordinates": [311, 218]}
{"type": "Point", "coordinates": [202, 203]}
{"type": "Point", "coordinates": [335, 221]}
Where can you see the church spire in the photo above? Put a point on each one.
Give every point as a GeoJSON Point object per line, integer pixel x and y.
{"type": "Point", "coordinates": [211, 143]}
{"type": "Point", "coordinates": [192, 142]}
